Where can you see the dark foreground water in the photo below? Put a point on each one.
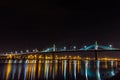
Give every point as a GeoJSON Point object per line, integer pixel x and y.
{"type": "Point", "coordinates": [58, 70]}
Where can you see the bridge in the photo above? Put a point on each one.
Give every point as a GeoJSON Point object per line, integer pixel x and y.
{"type": "Point", "coordinates": [61, 53]}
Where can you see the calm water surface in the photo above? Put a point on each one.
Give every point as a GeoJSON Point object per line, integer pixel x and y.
{"type": "Point", "coordinates": [58, 70]}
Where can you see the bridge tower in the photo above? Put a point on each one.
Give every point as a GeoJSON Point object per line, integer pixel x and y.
{"type": "Point", "coordinates": [96, 45]}
{"type": "Point", "coordinates": [54, 47]}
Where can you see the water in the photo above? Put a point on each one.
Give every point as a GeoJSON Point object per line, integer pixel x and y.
{"type": "Point", "coordinates": [57, 70]}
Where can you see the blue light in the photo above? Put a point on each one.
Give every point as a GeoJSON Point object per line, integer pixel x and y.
{"type": "Point", "coordinates": [98, 71]}
{"type": "Point", "coordinates": [65, 65]}
{"type": "Point", "coordinates": [75, 69]}
{"type": "Point", "coordinates": [86, 69]}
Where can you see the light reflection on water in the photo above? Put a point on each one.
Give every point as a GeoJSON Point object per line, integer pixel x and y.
{"type": "Point", "coordinates": [58, 70]}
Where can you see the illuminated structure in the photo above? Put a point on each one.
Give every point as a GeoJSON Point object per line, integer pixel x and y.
{"type": "Point", "coordinates": [62, 53]}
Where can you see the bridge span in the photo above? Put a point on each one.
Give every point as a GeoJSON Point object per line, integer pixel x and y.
{"type": "Point", "coordinates": [79, 54]}
{"type": "Point", "coordinates": [94, 52]}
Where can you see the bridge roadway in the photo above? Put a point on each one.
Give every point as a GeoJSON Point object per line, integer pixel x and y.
{"type": "Point", "coordinates": [54, 54]}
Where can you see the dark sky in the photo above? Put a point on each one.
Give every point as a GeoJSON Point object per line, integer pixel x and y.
{"type": "Point", "coordinates": [31, 24]}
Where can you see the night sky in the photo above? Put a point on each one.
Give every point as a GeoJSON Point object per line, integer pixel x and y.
{"type": "Point", "coordinates": [34, 24]}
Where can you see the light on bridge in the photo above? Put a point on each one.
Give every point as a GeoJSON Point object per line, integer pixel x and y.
{"type": "Point", "coordinates": [65, 48]}
{"type": "Point", "coordinates": [27, 51]}
{"type": "Point", "coordinates": [16, 52]}
{"type": "Point", "coordinates": [74, 47]}
{"type": "Point", "coordinates": [85, 46]}
{"type": "Point", "coordinates": [110, 46]}
{"type": "Point", "coordinates": [21, 51]}
{"type": "Point", "coordinates": [35, 50]}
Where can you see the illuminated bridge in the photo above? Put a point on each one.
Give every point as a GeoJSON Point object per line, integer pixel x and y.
{"type": "Point", "coordinates": [62, 53]}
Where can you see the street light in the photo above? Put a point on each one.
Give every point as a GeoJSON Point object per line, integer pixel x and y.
{"type": "Point", "coordinates": [27, 51]}
{"type": "Point", "coordinates": [21, 51]}
{"type": "Point", "coordinates": [85, 46]}
{"type": "Point", "coordinates": [74, 47]}
{"type": "Point", "coordinates": [65, 48]}
{"type": "Point", "coordinates": [11, 52]}
{"type": "Point", "coordinates": [33, 50]}
{"type": "Point", "coordinates": [110, 46]}
{"type": "Point", "coordinates": [16, 52]}
{"type": "Point", "coordinates": [36, 50]}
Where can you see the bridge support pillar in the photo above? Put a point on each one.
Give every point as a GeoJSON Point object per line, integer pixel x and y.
{"type": "Point", "coordinates": [96, 55]}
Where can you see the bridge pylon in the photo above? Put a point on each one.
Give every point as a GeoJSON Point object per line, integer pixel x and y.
{"type": "Point", "coordinates": [96, 45]}
{"type": "Point", "coordinates": [54, 47]}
